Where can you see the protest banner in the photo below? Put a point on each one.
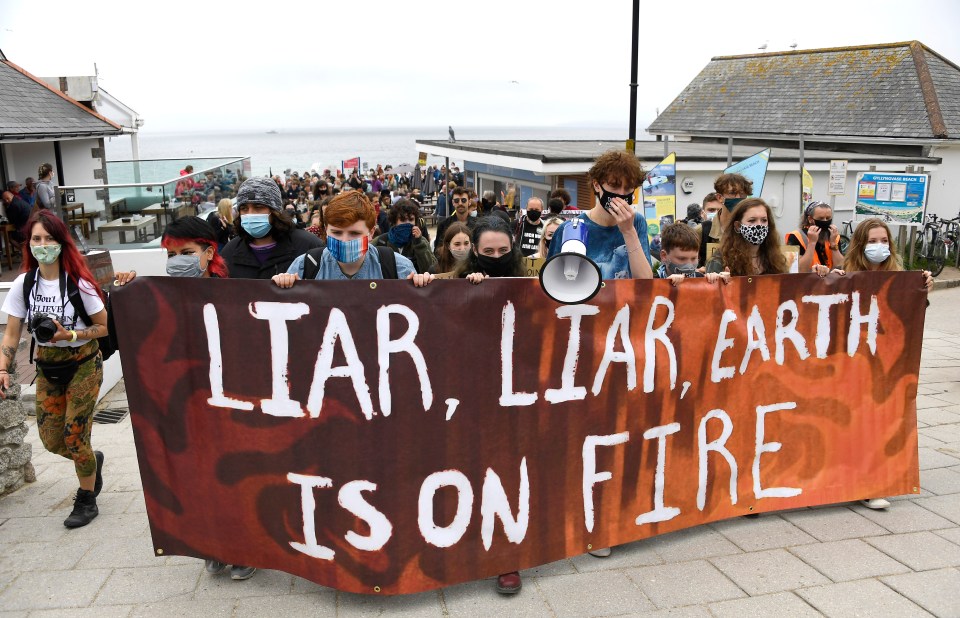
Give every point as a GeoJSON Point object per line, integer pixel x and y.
{"type": "Point", "coordinates": [341, 432]}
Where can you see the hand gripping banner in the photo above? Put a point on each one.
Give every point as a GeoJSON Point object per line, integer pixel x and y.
{"type": "Point", "coordinates": [378, 438]}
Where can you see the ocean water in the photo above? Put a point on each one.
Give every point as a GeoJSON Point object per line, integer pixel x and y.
{"type": "Point", "coordinates": [301, 149]}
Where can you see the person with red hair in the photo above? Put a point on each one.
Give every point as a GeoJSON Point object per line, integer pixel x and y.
{"type": "Point", "coordinates": [52, 294]}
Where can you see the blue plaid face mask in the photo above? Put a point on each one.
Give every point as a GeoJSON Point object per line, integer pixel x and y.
{"type": "Point", "coordinates": [348, 251]}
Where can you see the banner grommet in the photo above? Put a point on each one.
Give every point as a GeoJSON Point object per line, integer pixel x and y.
{"type": "Point", "coordinates": [376, 588]}
{"type": "Point", "coordinates": [373, 285]}
{"type": "Point", "coordinates": [159, 552]}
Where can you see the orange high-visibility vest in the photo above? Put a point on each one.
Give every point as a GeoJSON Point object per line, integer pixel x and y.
{"type": "Point", "coordinates": [799, 235]}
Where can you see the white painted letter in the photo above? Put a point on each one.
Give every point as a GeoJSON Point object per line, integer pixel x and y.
{"type": "Point", "coordinates": [650, 339]}
{"type": "Point", "coordinates": [431, 532]}
{"type": "Point", "coordinates": [277, 315]}
{"type": "Point", "coordinates": [507, 395]}
{"type": "Point", "coordinates": [717, 446]}
{"type": "Point", "coordinates": [824, 301]}
{"type": "Point", "coordinates": [789, 331]}
{"type": "Point", "coordinates": [857, 320]}
{"type": "Point", "coordinates": [337, 328]}
{"type": "Point", "coordinates": [387, 346]}
{"type": "Point", "coordinates": [308, 507]}
{"type": "Point", "coordinates": [756, 339]}
{"type": "Point", "coordinates": [217, 398]}
{"type": "Point", "coordinates": [567, 390]}
{"type": "Point", "coordinates": [659, 512]}
{"type": "Point", "coordinates": [351, 499]}
{"type": "Point", "coordinates": [717, 372]}
{"type": "Point", "coordinates": [494, 503]}
{"type": "Point", "coordinates": [621, 325]}
{"type": "Point", "coordinates": [770, 447]}
{"type": "Point", "coordinates": [590, 475]}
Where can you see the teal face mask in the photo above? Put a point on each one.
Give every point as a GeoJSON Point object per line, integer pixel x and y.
{"type": "Point", "coordinates": [731, 202]}
{"type": "Point", "coordinates": [46, 254]}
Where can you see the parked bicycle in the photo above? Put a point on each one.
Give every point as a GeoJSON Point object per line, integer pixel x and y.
{"type": "Point", "coordinates": [847, 233]}
{"type": "Point", "coordinates": [935, 243]}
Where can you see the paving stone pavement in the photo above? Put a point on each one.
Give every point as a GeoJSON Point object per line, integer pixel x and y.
{"type": "Point", "coordinates": [841, 560]}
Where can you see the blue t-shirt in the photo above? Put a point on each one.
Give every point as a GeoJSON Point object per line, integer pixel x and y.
{"type": "Point", "coordinates": [330, 269]}
{"type": "Point", "coordinates": [606, 247]}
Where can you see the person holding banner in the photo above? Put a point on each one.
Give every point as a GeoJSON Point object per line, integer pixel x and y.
{"type": "Point", "coordinates": [267, 239]}
{"type": "Point", "coordinates": [817, 231]}
{"type": "Point", "coordinates": [750, 245]}
{"type": "Point", "coordinates": [62, 304]}
{"type": "Point", "coordinates": [494, 252]}
{"type": "Point", "coordinates": [679, 247]}
{"type": "Point", "coordinates": [455, 248]}
{"type": "Point", "coordinates": [871, 250]}
{"type": "Point", "coordinates": [616, 235]}
{"type": "Point", "coordinates": [350, 220]}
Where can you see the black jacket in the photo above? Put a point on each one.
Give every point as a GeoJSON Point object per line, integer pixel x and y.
{"type": "Point", "coordinates": [243, 264]}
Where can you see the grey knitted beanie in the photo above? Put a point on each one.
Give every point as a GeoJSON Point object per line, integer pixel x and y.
{"type": "Point", "coordinates": [262, 191]}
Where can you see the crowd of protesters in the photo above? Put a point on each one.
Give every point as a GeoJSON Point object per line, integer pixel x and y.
{"type": "Point", "coordinates": [332, 226]}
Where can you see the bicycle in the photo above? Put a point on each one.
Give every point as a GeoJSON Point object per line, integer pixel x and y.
{"type": "Point", "coordinates": [847, 233]}
{"type": "Point", "coordinates": [937, 239]}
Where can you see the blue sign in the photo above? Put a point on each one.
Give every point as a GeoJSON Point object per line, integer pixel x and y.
{"type": "Point", "coordinates": [903, 197]}
{"type": "Point", "coordinates": [754, 168]}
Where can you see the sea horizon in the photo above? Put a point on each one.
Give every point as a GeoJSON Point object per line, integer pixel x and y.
{"type": "Point", "coordinates": [302, 149]}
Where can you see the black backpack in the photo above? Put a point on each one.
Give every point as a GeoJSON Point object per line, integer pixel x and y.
{"type": "Point", "coordinates": [388, 262]}
{"type": "Point", "coordinates": [108, 343]}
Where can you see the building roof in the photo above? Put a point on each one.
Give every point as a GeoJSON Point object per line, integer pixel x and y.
{"type": "Point", "coordinates": [578, 155]}
{"type": "Point", "coordinates": [32, 110]}
{"type": "Point", "coordinates": [897, 91]}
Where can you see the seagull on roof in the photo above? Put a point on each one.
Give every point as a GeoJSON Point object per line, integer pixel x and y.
{"type": "Point", "coordinates": [764, 46]}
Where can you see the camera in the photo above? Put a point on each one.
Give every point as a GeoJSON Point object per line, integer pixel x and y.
{"type": "Point", "coordinates": [43, 326]}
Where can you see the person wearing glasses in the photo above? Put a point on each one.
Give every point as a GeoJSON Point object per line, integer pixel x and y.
{"type": "Point", "coordinates": [616, 234]}
{"type": "Point", "coordinates": [464, 211]}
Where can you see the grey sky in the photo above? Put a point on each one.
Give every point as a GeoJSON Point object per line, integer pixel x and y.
{"type": "Point", "coordinates": [284, 64]}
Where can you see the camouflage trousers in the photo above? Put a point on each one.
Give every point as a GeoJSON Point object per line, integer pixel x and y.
{"type": "Point", "coordinates": [65, 413]}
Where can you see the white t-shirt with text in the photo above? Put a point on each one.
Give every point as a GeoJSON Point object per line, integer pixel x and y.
{"type": "Point", "coordinates": [45, 298]}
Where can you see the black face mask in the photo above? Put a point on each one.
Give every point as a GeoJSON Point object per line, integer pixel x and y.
{"type": "Point", "coordinates": [534, 215]}
{"type": "Point", "coordinates": [731, 202]}
{"type": "Point", "coordinates": [606, 196]}
{"type": "Point", "coordinates": [496, 266]}
{"type": "Point", "coordinates": [823, 225]}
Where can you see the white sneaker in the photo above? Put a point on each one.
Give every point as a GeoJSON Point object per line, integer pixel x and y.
{"type": "Point", "coordinates": [600, 553]}
{"type": "Point", "coordinates": [876, 503]}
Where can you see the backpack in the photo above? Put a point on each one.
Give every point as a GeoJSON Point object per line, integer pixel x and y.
{"type": "Point", "coordinates": [108, 343]}
{"type": "Point", "coordinates": [388, 262]}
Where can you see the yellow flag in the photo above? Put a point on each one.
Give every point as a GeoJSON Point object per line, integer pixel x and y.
{"type": "Point", "coordinates": [806, 182]}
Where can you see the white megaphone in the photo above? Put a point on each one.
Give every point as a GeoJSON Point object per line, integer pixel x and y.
{"type": "Point", "coordinates": [570, 277]}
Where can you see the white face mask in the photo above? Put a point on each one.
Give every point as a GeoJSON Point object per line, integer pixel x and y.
{"type": "Point", "coordinates": [711, 215]}
{"type": "Point", "coordinates": [877, 253]}
{"type": "Point", "coordinates": [460, 254]}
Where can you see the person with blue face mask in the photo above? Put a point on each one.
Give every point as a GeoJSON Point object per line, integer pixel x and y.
{"type": "Point", "coordinates": [267, 240]}
{"type": "Point", "coordinates": [350, 220]}
{"type": "Point", "coordinates": [191, 245]}
{"type": "Point", "coordinates": [405, 236]}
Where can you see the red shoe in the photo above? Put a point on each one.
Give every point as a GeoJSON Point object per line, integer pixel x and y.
{"type": "Point", "coordinates": [509, 583]}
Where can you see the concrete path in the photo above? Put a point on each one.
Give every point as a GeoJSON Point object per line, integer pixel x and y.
{"type": "Point", "coordinates": [841, 560]}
